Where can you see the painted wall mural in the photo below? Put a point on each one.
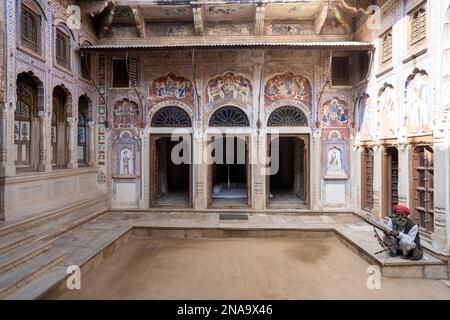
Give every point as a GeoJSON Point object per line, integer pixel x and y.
{"type": "Point", "coordinates": [420, 113]}
{"type": "Point", "coordinates": [126, 114]}
{"type": "Point", "coordinates": [366, 119]}
{"type": "Point", "coordinates": [288, 86]}
{"type": "Point", "coordinates": [334, 156]}
{"type": "Point", "coordinates": [228, 88]}
{"type": "Point", "coordinates": [172, 87]}
{"type": "Point", "coordinates": [172, 30]}
{"type": "Point", "coordinates": [389, 112]}
{"type": "Point", "coordinates": [289, 28]}
{"type": "Point", "coordinates": [335, 114]}
{"type": "Point", "coordinates": [126, 155]}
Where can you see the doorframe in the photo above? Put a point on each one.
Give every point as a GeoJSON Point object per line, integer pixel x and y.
{"type": "Point", "coordinates": [246, 136]}
{"type": "Point", "coordinates": [152, 199]}
{"type": "Point", "coordinates": [386, 180]}
{"type": "Point", "coordinates": [306, 138]}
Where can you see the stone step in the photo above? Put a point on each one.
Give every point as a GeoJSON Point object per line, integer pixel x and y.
{"type": "Point", "coordinates": [66, 220]}
{"type": "Point", "coordinates": [41, 219]}
{"type": "Point", "coordinates": [40, 286]}
{"type": "Point", "coordinates": [14, 240]}
{"type": "Point", "coordinates": [22, 254]}
{"type": "Point", "coordinates": [25, 273]}
{"type": "Point", "coordinates": [73, 223]}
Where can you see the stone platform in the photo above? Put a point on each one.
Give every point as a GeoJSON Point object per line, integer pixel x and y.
{"type": "Point", "coordinates": [34, 259]}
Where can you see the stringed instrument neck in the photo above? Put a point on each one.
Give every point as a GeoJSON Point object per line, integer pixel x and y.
{"type": "Point", "coordinates": [376, 224]}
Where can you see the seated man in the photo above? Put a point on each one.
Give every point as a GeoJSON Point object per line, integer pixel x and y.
{"type": "Point", "coordinates": [403, 237]}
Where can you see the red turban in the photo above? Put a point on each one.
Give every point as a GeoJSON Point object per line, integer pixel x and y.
{"type": "Point", "coordinates": [403, 210]}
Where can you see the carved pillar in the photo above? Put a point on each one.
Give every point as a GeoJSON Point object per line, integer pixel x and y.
{"type": "Point", "coordinates": [259, 174]}
{"type": "Point", "coordinates": [44, 142]}
{"type": "Point", "coordinates": [72, 143]}
{"type": "Point", "coordinates": [376, 210]}
{"type": "Point", "coordinates": [199, 176]}
{"type": "Point", "coordinates": [92, 159]}
{"type": "Point", "coordinates": [144, 200]}
{"type": "Point", "coordinates": [403, 174]}
{"type": "Point", "coordinates": [316, 202]}
{"type": "Point", "coordinates": [6, 140]}
{"type": "Point", "coordinates": [441, 208]}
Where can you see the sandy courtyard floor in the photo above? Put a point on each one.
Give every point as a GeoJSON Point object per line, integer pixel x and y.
{"type": "Point", "coordinates": [242, 269]}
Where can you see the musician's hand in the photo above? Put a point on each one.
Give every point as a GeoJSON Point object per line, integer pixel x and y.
{"type": "Point", "coordinates": [394, 233]}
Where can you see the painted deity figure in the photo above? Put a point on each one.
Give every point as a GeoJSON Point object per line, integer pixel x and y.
{"type": "Point", "coordinates": [334, 162]}
{"type": "Point", "coordinates": [288, 86]}
{"type": "Point", "coordinates": [334, 115]}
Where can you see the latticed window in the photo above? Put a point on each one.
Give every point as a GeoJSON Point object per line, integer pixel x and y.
{"type": "Point", "coordinates": [386, 49]}
{"type": "Point", "coordinates": [423, 184]}
{"type": "Point", "coordinates": [340, 71]}
{"type": "Point", "coordinates": [287, 117]}
{"type": "Point", "coordinates": [125, 73]}
{"type": "Point", "coordinates": [171, 117]}
{"type": "Point", "coordinates": [418, 21]}
{"type": "Point", "coordinates": [62, 50]}
{"type": "Point", "coordinates": [30, 25]}
{"type": "Point", "coordinates": [86, 66]}
{"type": "Point", "coordinates": [367, 178]}
{"type": "Point", "coordinates": [229, 116]}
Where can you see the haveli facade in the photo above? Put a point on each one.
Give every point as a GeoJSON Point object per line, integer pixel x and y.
{"type": "Point", "coordinates": [354, 93]}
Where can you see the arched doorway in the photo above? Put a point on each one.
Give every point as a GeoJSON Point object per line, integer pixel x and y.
{"type": "Point", "coordinates": [26, 122]}
{"type": "Point", "coordinates": [59, 127]}
{"type": "Point", "coordinates": [229, 174]}
{"type": "Point", "coordinates": [170, 164]}
{"type": "Point", "coordinates": [82, 133]}
{"type": "Point", "coordinates": [287, 183]}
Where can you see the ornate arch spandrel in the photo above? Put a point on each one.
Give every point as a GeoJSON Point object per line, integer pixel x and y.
{"type": "Point", "coordinates": [290, 86]}
{"type": "Point", "coordinates": [228, 88]}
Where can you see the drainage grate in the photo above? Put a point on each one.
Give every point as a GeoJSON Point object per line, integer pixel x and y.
{"type": "Point", "coordinates": [233, 216]}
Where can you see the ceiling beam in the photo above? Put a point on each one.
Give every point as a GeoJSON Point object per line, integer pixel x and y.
{"type": "Point", "coordinates": [260, 15]}
{"type": "Point", "coordinates": [320, 19]}
{"type": "Point", "coordinates": [107, 22]}
{"type": "Point", "coordinates": [198, 20]}
{"type": "Point", "coordinates": [341, 19]}
{"type": "Point", "coordinates": [139, 19]}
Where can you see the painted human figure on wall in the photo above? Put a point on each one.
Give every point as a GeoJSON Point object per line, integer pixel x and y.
{"type": "Point", "coordinates": [126, 166]}
{"type": "Point", "coordinates": [334, 114]}
{"type": "Point", "coordinates": [389, 112]}
{"type": "Point", "coordinates": [419, 110]}
{"type": "Point", "coordinates": [126, 160]}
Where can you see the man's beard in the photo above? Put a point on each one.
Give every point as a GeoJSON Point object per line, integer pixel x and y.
{"type": "Point", "coordinates": [401, 222]}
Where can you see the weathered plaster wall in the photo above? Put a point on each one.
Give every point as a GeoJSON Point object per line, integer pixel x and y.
{"type": "Point", "coordinates": [28, 193]}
